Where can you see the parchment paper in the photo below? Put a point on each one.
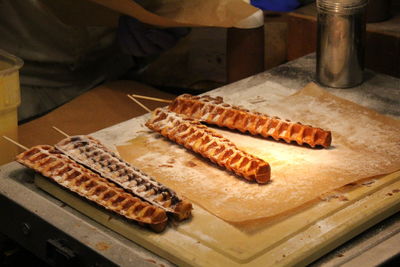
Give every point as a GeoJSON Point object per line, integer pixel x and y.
{"type": "Point", "coordinates": [170, 13]}
{"type": "Point", "coordinates": [365, 144]}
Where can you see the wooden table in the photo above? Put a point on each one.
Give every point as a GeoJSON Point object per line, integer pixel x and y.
{"type": "Point", "coordinates": [101, 107]}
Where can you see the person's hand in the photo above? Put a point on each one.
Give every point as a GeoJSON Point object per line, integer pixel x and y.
{"type": "Point", "coordinates": [142, 40]}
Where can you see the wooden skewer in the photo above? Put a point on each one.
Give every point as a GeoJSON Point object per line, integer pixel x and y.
{"type": "Point", "coordinates": [140, 104]}
{"type": "Point", "coordinates": [15, 143]}
{"type": "Point", "coordinates": [61, 132]}
{"type": "Point", "coordinates": [151, 98]}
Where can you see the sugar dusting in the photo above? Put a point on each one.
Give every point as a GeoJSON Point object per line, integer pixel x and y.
{"type": "Point", "coordinates": [364, 144]}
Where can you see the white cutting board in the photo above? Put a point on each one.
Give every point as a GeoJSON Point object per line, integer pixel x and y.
{"type": "Point", "coordinates": [296, 238]}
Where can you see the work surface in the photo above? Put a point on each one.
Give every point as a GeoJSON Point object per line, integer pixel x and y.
{"type": "Point", "coordinates": [379, 92]}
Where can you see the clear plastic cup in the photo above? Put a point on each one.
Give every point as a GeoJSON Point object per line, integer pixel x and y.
{"type": "Point", "coordinates": [9, 101]}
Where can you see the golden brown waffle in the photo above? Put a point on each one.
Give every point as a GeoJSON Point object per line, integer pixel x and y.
{"type": "Point", "coordinates": [214, 111]}
{"type": "Point", "coordinates": [54, 165]}
{"type": "Point", "coordinates": [205, 141]}
{"type": "Point", "coordinates": [91, 153]}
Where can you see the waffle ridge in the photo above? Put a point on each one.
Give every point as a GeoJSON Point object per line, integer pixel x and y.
{"type": "Point", "coordinates": [208, 143]}
{"type": "Point", "coordinates": [54, 165]}
{"type": "Point", "coordinates": [91, 153]}
{"type": "Point", "coordinates": [213, 110]}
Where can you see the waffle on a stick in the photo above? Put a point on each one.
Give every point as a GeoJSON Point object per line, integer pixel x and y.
{"type": "Point", "coordinates": [91, 153]}
{"type": "Point", "coordinates": [58, 167]}
{"type": "Point", "coordinates": [213, 110]}
{"type": "Point", "coordinates": [205, 141]}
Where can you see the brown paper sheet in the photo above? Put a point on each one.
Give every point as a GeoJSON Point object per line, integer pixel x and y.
{"type": "Point", "coordinates": [173, 13]}
{"type": "Point", "coordinates": [365, 144]}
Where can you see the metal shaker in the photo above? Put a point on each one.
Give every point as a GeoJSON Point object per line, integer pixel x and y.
{"type": "Point", "coordinates": [340, 42]}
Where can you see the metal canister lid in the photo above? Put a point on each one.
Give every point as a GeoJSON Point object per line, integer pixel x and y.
{"type": "Point", "coordinates": [345, 7]}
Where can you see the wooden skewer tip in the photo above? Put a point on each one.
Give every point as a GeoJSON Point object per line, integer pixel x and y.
{"type": "Point", "coordinates": [152, 98]}
{"type": "Point", "coordinates": [139, 103]}
{"type": "Point", "coordinates": [60, 131]}
{"type": "Point", "coordinates": [15, 143]}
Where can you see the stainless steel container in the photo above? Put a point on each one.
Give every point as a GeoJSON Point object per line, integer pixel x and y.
{"type": "Point", "coordinates": [340, 42]}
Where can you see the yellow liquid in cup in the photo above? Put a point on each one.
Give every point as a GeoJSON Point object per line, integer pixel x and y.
{"type": "Point", "coordinates": [9, 102]}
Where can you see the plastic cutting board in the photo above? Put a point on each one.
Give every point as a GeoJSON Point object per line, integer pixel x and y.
{"type": "Point", "coordinates": [296, 238]}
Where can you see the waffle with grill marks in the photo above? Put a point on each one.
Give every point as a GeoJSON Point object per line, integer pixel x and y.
{"type": "Point", "coordinates": [205, 141]}
{"type": "Point", "coordinates": [213, 110]}
{"type": "Point", "coordinates": [93, 154]}
{"type": "Point", "coordinates": [58, 167]}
